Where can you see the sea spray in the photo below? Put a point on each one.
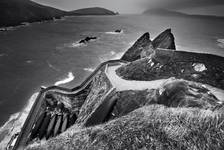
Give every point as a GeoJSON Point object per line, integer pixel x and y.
{"type": "Point", "coordinates": [89, 69]}
{"type": "Point", "coordinates": [68, 79]}
{"type": "Point", "coordinates": [15, 123]}
{"type": "Point", "coordinates": [220, 43]}
{"type": "Point", "coordinates": [115, 33]}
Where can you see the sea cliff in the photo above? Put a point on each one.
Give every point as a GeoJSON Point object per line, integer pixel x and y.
{"type": "Point", "coordinates": [155, 97]}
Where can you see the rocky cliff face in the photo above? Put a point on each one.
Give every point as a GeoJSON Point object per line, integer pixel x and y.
{"type": "Point", "coordinates": [181, 113]}
{"type": "Point", "coordinates": [144, 47]}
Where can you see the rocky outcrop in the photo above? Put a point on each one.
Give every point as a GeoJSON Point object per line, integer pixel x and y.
{"type": "Point", "coordinates": [165, 40]}
{"type": "Point", "coordinates": [204, 68]}
{"type": "Point", "coordinates": [144, 47]}
{"type": "Point", "coordinates": [134, 52]}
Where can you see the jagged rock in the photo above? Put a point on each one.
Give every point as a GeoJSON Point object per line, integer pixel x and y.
{"type": "Point", "coordinates": [165, 40]}
{"type": "Point", "coordinates": [203, 68]}
{"type": "Point", "coordinates": [134, 52]}
{"type": "Point", "coordinates": [144, 47]}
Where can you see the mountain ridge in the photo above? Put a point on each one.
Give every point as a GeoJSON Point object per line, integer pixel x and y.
{"type": "Point", "coordinates": [168, 12]}
{"type": "Point", "coordinates": [16, 12]}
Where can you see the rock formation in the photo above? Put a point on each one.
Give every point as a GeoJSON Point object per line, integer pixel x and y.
{"type": "Point", "coordinates": [179, 112]}
{"type": "Point", "coordinates": [144, 47]}
{"type": "Point", "coordinates": [134, 52]}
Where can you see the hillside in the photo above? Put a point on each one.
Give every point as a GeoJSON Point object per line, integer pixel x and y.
{"type": "Point", "coordinates": [14, 12]}
{"type": "Point", "coordinates": [166, 12]}
{"type": "Point", "coordinates": [154, 97]}
{"type": "Point", "coordinates": [92, 11]}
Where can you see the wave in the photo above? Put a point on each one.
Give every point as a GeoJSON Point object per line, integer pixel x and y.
{"type": "Point", "coordinates": [220, 43]}
{"type": "Point", "coordinates": [77, 44]}
{"type": "Point", "coordinates": [1, 55]}
{"type": "Point", "coordinates": [115, 33]}
{"type": "Point", "coordinates": [89, 69]}
{"type": "Point", "coordinates": [53, 67]}
{"type": "Point", "coordinates": [15, 123]}
{"type": "Point", "coordinates": [68, 79]}
{"type": "Point", "coordinates": [118, 55]}
{"type": "Point", "coordinates": [112, 52]}
{"type": "Point", "coordinates": [29, 61]}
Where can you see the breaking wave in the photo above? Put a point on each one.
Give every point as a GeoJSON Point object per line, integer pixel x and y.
{"type": "Point", "coordinates": [89, 69]}
{"type": "Point", "coordinates": [68, 79]}
{"type": "Point", "coordinates": [220, 43]}
{"type": "Point", "coordinates": [115, 33]}
{"type": "Point", "coordinates": [15, 123]}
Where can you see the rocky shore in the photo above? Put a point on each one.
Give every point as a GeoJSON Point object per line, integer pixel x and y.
{"type": "Point", "coordinates": [163, 100]}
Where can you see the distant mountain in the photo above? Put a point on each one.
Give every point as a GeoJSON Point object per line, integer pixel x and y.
{"type": "Point", "coordinates": [15, 12]}
{"type": "Point", "coordinates": [166, 12]}
{"type": "Point", "coordinates": [92, 11]}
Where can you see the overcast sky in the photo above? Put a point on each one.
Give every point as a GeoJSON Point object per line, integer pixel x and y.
{"type": "Point", "coordinates": [213, 7]}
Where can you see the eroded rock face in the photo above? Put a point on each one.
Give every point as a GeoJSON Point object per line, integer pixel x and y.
{"type": "Point", "coordinates": [144, 47]}
{"type": "Point", "coordinates": [163, 64]}
{"type": "Point", "coordinates": [134, 52]}
{"type": "Point", "coordinates": [165, 40]}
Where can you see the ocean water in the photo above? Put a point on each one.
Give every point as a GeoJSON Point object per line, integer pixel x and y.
{"type": "Point", "coordinates": [49, 53]}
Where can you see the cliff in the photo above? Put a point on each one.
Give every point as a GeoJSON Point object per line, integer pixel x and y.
{"type": "Point", "coordinates": [156, 99]}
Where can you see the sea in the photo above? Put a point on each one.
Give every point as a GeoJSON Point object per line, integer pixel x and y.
{"type": "Point", "coordinates": [49, 53]}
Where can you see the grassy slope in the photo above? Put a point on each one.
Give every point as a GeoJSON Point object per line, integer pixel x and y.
{"type": "Point", "coordinates": [150, 127]}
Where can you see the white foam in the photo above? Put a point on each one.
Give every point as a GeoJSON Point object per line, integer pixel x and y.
{"type": "Point", "coordinates": [52, 67]}
{"type": "Point", "coordinates": [68, 79]}
{"type": "Point", "coordinates": [1, 55]}
{"type": "Point", "coordinates": [77, 44]}
{"type": "Point", "coordinates": [220, 43]}
{"type": "Point", "coordinates": [29, 61]}
{"type": "Point", "coordinates": [15, 122]}
{"type": "Point", "coordinates": [89, 69]}
{"type": "Point", "coordinates": [115, 33]}
{"type": "Point", "coordinates": [112, 52]}
{"type": "Point", "coordinates": [118, 55]}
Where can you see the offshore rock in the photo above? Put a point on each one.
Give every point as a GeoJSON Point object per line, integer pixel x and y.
{"type": "Point", "coordinates": [163, 64]}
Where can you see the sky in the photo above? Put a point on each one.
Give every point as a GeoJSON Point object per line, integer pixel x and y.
{"type": "Point", "coordinates": [204, 7]}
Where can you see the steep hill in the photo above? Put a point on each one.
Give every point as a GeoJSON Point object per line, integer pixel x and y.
{"type": "Point", "coordinates": [92, 11]}
{"type": "Point", "coordinates": [14, 12]}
